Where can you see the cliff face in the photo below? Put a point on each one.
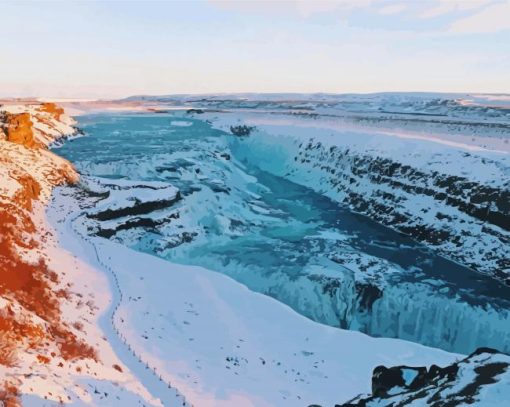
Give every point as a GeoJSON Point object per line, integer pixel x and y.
{"type": "Point", "coordinates": [51, 347]}
{"type": "Point", "coordinates": [454, 199]}
{"type": "Point", "coordinates": [18, 129]}
{"type": "Point", "coordinates": [31, 324]}
{"type": "Point", "coordinates": [35, 125]}
{"type": "Point", "coordinates": [464, 218]}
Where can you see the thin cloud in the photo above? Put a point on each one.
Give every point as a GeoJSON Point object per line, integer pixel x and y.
{"type": "Point", "coordinates": [393, 9]}
{"type": "Point", "coordinates": [458, 16]}
{"type": "Point", "coordinates": [440, 8]}
{"type": "Point", "coordinates": [295, 8]}
{"type": "Point", "coordinates": [489, 20]}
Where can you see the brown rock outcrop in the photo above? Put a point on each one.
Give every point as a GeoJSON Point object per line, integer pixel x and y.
{"type": "Point", "coordinates": [30, 191]}
{"type": "Point", "coordinates": [18, 129]}
{"type": "Point", "coordinates": [52, 108]}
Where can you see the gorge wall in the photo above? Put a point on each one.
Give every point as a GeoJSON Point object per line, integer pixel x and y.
{"type": "Point", "coordinates": [453, 199]}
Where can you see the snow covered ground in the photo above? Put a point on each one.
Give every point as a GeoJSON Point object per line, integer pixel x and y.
{"type": "Point", "coordinates": [223, 345]}
{"type": "Point", "coordinates": [62, 213]}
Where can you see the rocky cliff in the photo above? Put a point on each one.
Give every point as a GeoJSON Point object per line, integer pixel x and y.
{"type": "Point", "coordinates": [18, 128]}
{"type": "Point", "coordinates": [31, 324]}
{"type": "Point", "coordinates": [464, 218]}
{"type": "Point", "coordinates": [49, 337]}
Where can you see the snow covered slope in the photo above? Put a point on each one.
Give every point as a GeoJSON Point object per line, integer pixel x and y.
{"type": "Point", "coordinates": [219, 343]}
{"type": "Point", "coordinates": [51, 348]}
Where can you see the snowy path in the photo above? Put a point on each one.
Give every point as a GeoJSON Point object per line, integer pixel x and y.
{"type": "Point", "coordinates": [160, 389]}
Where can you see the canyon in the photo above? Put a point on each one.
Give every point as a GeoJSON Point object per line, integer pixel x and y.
{"type": "Point", "coordinates": [390, 219]}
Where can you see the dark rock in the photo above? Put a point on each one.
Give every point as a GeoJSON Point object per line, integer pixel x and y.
{"type": "Point", "coordinates": [138, 209]}
{"type": "Point", "coordinates": [241, 130]}
{"type": "Point", "coordinates": [465, 382]}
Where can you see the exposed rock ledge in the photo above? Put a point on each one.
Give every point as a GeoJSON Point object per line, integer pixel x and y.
{"type": "Point", "coordinates": [34, 125]}
{"type": "Point", "coordinates": [18, 128]}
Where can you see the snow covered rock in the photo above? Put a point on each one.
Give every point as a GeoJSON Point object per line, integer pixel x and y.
{"type": "Point", "coordinates": [135, 200]}
{"type": "Point", "coordinates": [482, 378]}
{"type": "Point", "coordinates": [36, 125]}
{"type": "Point", "coordinates": [123, 205]}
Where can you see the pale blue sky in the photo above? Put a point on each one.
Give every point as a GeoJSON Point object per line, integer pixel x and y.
{"type": "Point", "coordinates": [116, 48]}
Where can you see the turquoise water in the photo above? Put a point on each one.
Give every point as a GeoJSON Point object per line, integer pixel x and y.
{"type": "Point", "coordinates": [287, 241]}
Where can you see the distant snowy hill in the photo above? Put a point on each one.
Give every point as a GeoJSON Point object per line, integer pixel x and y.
{"type": "Point", "coordinates": [486, 107]}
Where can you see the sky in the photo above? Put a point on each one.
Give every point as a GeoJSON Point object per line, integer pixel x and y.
{"type": "Point", "coordinates": [113, 49]}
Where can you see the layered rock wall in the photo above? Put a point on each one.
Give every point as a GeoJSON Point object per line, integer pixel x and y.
{"type": "Point", "coordinates": [451, 198]}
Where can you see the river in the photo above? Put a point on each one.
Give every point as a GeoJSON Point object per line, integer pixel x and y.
{"type": "Point", "coordinates": [287, 241]}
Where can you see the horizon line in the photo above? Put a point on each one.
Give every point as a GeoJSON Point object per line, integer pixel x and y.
{"type": "Point", "coordinates": [241, 93]}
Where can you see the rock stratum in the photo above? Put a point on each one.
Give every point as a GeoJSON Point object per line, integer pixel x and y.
{"type": "Point", "coordinates": [50, 345]}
